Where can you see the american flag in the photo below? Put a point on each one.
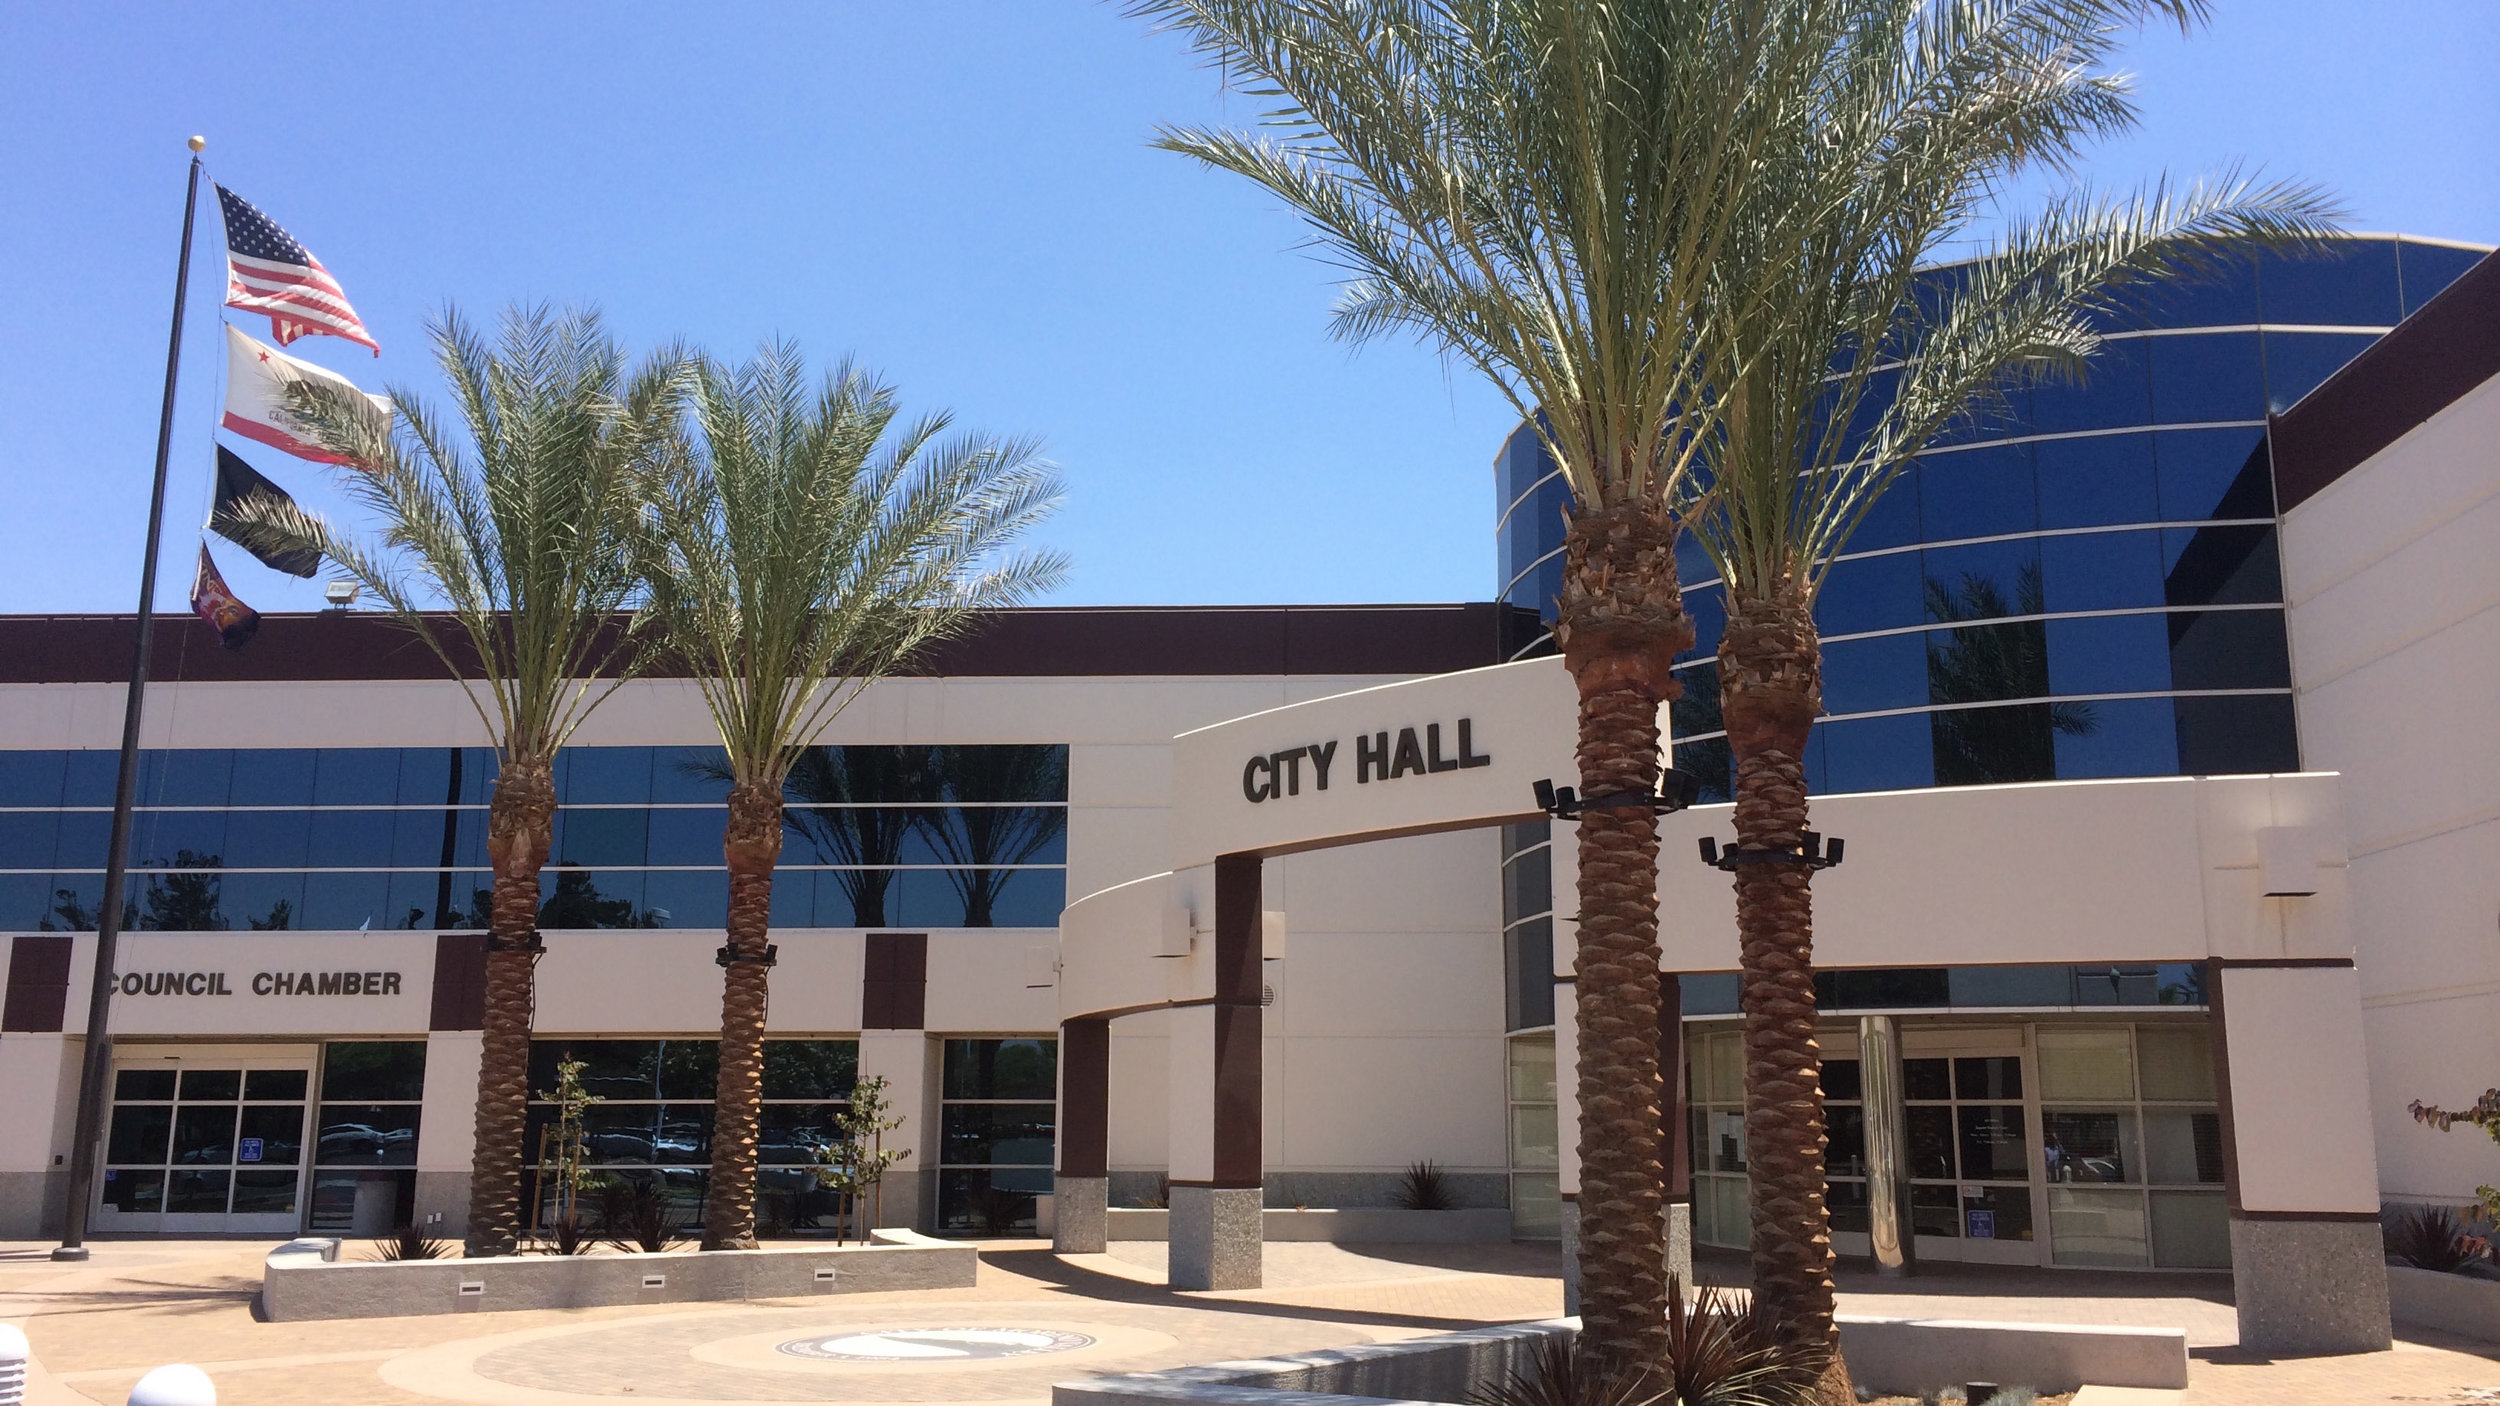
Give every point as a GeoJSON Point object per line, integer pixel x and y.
{"type": "Point", "coordinates": [267, 271]}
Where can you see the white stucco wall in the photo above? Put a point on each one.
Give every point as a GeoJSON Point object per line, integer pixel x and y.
{"type": "Point", "coordinates": [2392, 576]}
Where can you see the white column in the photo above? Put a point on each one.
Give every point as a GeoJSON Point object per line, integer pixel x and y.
{"type": "Point", "coordinates": [905, 1059]}
{"type": "Point", "coordinates": [447, 1132]}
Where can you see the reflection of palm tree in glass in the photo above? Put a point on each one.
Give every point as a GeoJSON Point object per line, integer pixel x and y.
{"type": "Point", "coordinates": [855, 786]}
{"type": "Point", "coordinates": [1986, 663]}
{"type": "Point", "coordinates": [981, 840]}
{"type": "Point", "coordinates": [1695, 713]}
{"type": "Point", "coordinates": [577, 903]}
{"type": "Point", "coordinates": [186, 901]}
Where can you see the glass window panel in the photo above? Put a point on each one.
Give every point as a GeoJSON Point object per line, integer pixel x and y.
{"type": "Point", "coordinates": [686, 899]}
{"type": "Point", "coordinates": [1893, 519]}
{"type": "Point", "coordinates": [479, 766]}
{"type": "Point", "coordinates": [2178, 1061]}
{"type": "Point", "coordinates": [1527, 886]}
{"type": "Point", "coordinates": [2109, 654]}
{"type": "Point", "coordinates": [1714, 765]}
{"type": "Point", "coordinates": [2221, 566]}
{"type": "Point", "coordinates": [992, 898]}
{"type": "Point", "coordinates": [580, 899]}
{"type": "Point", "coordinates": [2183, 1148]}
{"type": "Point", "coordinates": [178, 839]}
{"type": "Point", "coordinates": [1994, 1145]}
{"type": "Point", "coordinates": [140, 1132]}
{"type": "Point", "coordinates": [2086, 1065]}
{"type": "Point", "coordinates": [1983, 580]}
{"type": "Point", "coordinates": [794, 898]}
{"type": "Point", "coordinates": [189, 777]}
{"type": "Point", "coordinates": [180, 900]}
{"type": "Point", "coordinates": [2191, 1230]}
{"type": "Point", "coordinates": [74, 901]}
{"type": "Point", "coordinates": [1998, 1213]}
{"type": "Point", "coordinates": [268, 839]}
{"type": "Point", "coordinates": [1535, 1206]}
{"type": "Point", "coordinates": [356, 776]}
{"type": "Point", "coordinates": [1707, 607]}
{"type": "Point", "coordinates": [2298, 362]}
{"type": "Point", "coordinates": [1880, 988]}
{"type": "Point", "coordinates": [1930, 1141]}
{"type": "Point", "coordinates": [2200, 379]}
{"type": "Point", "coordinates": [1841, 1080]}
{"type": "Point", "coordinates": [353, 839]}
{"type": "Point", "coordinates": [1869, 675]}
{"type": "Point", "coordinates": [264, 1193]}
{"type": "Point", "coordinates": [1936, 1210]}
{"type": "Point", "coordinates": [1532, 1071]}
{"type": "Point", "coordinates": [211, 1085]}
{"type": "Point", "coordinates": [274, 1086]}
{"type": "Point", "coordinates": [810, 1069]}
{"type": "Point", "coordinates": [694, 837]}
{"type": "Point", "coordinates": [1982, 492]}
{"type": "Point", "coordinates": [2117, 737]}
{"type": "Point", "coordinates": [28, 840]}
{"type": "Point", "coordinates": [1987, 663]}
{"type": "Point", "coordinates": [1726, 1140]}
{"type": "Point", "coordinates": [1988, 1077]}
{"type": "Point", "coordinates": [790, 1134]}
{"type": "Point", "coordinates": [343, 902]}
{"type": "Point", "coordinates": [2428, 268]}
{"type": "Point", "coordinates": [25, 901]}
{"type": "Point", "coordinates": [689, 775]}
{"type": "Point", "coordinates": [203, 1134]}
{"type": "Point", "coordinates": [1696, 711]}
{"type": "Point", "coordinates": [196, 1193]}
{"type": "Point", "coordinates": [2097, 1226]}
{"type": "Point", "coordinates": [2116, 389]}
{"type": "Point", "coordinates": [143, 1084]}
{"type": "Point", "coordinates": [2213, 474]}
{"type": "Point", "coordinates": [1877, 754]}
{"type": "Point", "coordinates": [418, 836]}
{"type": "Point", "coordinates": [1927, 1078]}
{"type": "Point", "coordinates": [1844, 1150]}
{"type": "Point", "coordinates": [278, 1128]}
{"type": "Point", "coordinates": [262, 902]}
{"type": "Point", "coordinates": [2090, 1145]}
{"type": "Point", "coordinates": [85, 835]}
{"type": "Point", "coordinates": [134, 1192]}
{"type": "Point", "coordinates": [685, 1132]}
{"type": "Point", "coordinates": [2219, 294]}
{"type": "Point", "coordinates": [2349, 283]}
{"type": "Point", "coordinates": [607, 776]}
{"type": "Point", "coordinates": [2008, 986]}
{"type": "Point", "coordinates": [978, 1202]}
{"type": "Point", "coordinates": [89, 776]}
{"type": "Point", "coordinates": [1846, 1201]}
{"type": "Point", "coordinates": [275, 776]}
{"type": "Point", "coordinates": [603, 838]}
{"type": "Point", "coordinates": [997, 1134]}
{"type": "Point", "coordinates": [1526, 835]}
{"type": "Point", "coordinates": [1002, 1069]}
{"type": "Point", "coordinates": [359, 1071]}
{"type": "Point", "coordinates": [368, 1135]}
{"type": "Point", "coordinates": [1994, 746]}
{"type": "Point", "coordinates": [1534, 1142]}
{"type": "Point", "coordinates": [1528, 970]}
{"type": "Point", "coordinates": [425, 776]}
{"type": "Point", "coordinates": [2101, 481]}
{"type": "Point", "coordinates": [2179, 984]}
{"type": "Point", "coordinates": [1726, 1063]}
{"type": "Point", "coordinates": [1871, 593]}
{"type": "Point", "coordinates": [2102, 571]}
{"type": "Point", "coordinates": [31, 777]}
{"type": "Point", "coordinates": [2229, 649]}
{"type": "Point", "coordinates": [2236, 736]}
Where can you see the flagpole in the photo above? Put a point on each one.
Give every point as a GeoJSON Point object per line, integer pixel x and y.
{"type": "Point", "coordinates": [97, 1062]}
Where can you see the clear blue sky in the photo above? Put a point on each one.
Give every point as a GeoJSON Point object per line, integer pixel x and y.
{"type": "Point", "coordinates": [958, 193]}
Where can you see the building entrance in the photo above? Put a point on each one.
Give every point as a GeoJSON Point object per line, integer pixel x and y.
{"type": "Point", "coordinates": [206, 1141]}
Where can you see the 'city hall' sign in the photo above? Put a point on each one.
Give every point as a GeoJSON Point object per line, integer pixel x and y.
{"type": "Point", "coordinates": [1272, 775]}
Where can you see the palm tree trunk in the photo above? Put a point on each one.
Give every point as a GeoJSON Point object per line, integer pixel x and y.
{"type": "Point", "coordinates": [752, 846]}
{"type": "Point", "coordinates": [1621, 621]}
{"type": "Point", "coordinates": [1770, 690]}
{"type": "Point", "coordinates": [520, 825]}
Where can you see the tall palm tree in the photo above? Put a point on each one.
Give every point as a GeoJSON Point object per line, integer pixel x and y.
{"type": "Point", "coordinates": [1541, 189]}
{"type": "Point", "coordinates": [797, 554]}
{"type": "Point", "coordinates": [1928, 111]}
{"type": "Point", "coordinates": [507, 551]}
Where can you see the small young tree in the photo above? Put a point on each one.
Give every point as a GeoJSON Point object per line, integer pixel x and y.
{"type": "Point", "coordinates": [561, 1148]}
{"type": "Point", "coordinates": [2485, 1114]}
{"type": "Point", "coordinates": [853, 1165]}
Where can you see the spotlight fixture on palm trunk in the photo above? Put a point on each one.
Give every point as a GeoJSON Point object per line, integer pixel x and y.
{"type": "Point", "coordinates": [1676, 791]}
{"type": "Point", "coordinates": [1815, 853]}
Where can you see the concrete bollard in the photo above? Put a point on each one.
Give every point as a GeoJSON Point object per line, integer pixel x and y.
{"type": "Point", "coordinates": [13, 1355]}
{"type": "Point", "coordinates": [177, 1385]}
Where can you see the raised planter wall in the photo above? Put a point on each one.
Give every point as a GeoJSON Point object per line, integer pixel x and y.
{"type": "Point", "coordinates": [304, 1280]}
{"type": "Point", "coordinates": [1351, 1225]}
{"type": "Point", "coordinates": [2449, 1303]}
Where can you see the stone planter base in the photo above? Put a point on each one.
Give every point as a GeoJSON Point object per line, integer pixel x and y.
{"type": "Point", "coordinates": [304, 1279]}
{"type": "Point", "coordinates": [2449, 1303]}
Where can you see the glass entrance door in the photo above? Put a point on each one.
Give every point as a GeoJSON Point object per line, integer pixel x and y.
{"type": "Point", "coordinates": [205, 1145]}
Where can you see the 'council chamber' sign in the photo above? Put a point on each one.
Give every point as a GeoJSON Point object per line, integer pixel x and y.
{"type": "Point", "coordinates": [267, 983]}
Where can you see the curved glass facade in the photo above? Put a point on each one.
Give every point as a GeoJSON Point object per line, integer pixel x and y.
{"type": "Point", "coordinates": [2084, 582]}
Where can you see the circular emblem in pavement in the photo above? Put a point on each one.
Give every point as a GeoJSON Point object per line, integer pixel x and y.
{"type": "Point", "coordinates": [935, 1344]}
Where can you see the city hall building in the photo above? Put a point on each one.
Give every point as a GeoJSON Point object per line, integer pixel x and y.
{"type": "Point", "coordinates": [2160, 729]}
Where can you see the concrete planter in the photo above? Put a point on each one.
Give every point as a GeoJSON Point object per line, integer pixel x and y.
{"type": "Point", "coordinates": [1903, 1356]}
{"type": "Point", "coordinates": [305, 1280]}
{"type": "Point", "coordinates": [2463, 1304]}
{"type": "Point", "coordinates": [1350, 1225]}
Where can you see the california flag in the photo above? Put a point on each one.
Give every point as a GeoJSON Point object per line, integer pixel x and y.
{"type": "Point", "coordinates": [257, 376]}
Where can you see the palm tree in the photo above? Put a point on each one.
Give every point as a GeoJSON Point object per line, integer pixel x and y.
{"type": "Point", "coordinates": [797, 554]}
{"type": "Point", "coordinates": [1541, 189]}
{"type": "Point", "coordinates": [1929, 109]}
{"type": "Point", "coordinates": [510, 557]}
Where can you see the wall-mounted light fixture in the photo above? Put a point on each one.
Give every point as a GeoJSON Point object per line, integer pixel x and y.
{"type": "Point", "coordinates": [1677, 790]}
{"type": "Point", "coordinates": [1815, 853]}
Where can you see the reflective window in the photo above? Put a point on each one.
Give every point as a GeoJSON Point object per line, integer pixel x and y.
{"type": "Point", "coordinates": [2207, 377]}
{"type": "Point", "coordinates": [2428, 268]}
{"type": "Point", "coordinates": [1983, 492]}
{"type": "Point", "coordinates": [1870, 593]}
{"type": "Point", "coordinates": [2236, 736]}
{"type": "Point", "coordinates": [270, 777]}
{"type": "Point", "coordinates": [2102, 571]}
{"type": "Point", "coordinates": [2213, 474]}
{"type": "Point", "coordinates": [2218, 649]}
{"type": "Point", "coordinates": [189, 777]}
{"type": "Point", "coordinates": [1892, 520]}
{"type": "Point", "coordinates": [1707, 606]}
{"type": "Point", "coordinates": [2297, 362]}
{"type": "Point", "coordinates": [2115, 389]}
{"type": "Point", "coordinates": [2109, 654]}
{"type": "Point", "coordinates": [1870, 675]}
{"type": "Point", "coordinates": [1983, 580]}
{"type": "Point", "coordinates": [31, 778]}
{"type": "Point", "coordinates": [89, 778]}
{"type": "Point", "coordinates": [356, 776]}
{"type": "Point", "coordinates": [2101, 481]}
{"type": "Point", "coordinates": [2350, 283]}
{"type": "Point", "coordinates": [2220, 294]}
{"type": "Point", "coordinates": [997, 1133]}
{"type": "Point", "coordinates": [589, 776]}
{"type": "Point", "coordinates": [1875, 754]}
{"type": "Point", "coordinates": [1990, 746]}
{"type": "Point", "coordinates": [2221, 566]}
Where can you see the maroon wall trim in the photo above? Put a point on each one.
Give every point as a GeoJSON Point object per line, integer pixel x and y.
{"type": "Point", "coordinates": [459, 982]}
{"type": "Point", "coordinates": [1085, 1098]}
{"type": "Point", "coordinates": [894, 986]}
{"type": "Point", "coordinates": [1038, 642]}
{"type": "Point", "coordinates": [38, 991]}
{"type": "Point", "coordinates": [1674, 1128]}
{"type": "Point", "coordinates": [2449, 346]}
{"type": "Point", "coordinates": [1239, 1105]}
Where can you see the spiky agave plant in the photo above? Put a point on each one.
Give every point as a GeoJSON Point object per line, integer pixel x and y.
{"type": "Point", "coordinates": [1927, 111]}
{"type": "Point", "coordinates": [505, 547]}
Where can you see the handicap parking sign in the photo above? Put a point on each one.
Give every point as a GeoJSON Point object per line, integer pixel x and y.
{"type": "Point", "coordinates": [249, 1152]}
{"type": "Point", "coordinates": [1983, 1224]}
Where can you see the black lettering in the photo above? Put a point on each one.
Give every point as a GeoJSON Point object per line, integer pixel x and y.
{"type": "Point", "coordinates": [1291, 765]}
{"type": "Point", "coordinates": [261, 983]}
{"type": "Point", "coordinates": [131, 984]}
{"type": "Point", "coordinates": [1410, 754]}
{"type": "Point", "coordinates": [156, 983]}
{"type": "Point", "coordinates": [1467, 754]}
{"type": "Point", "coordinates": [303, 983]}
{"type": "Point", "coordinates": [1254, 788]}
{"type": "Point", "coordinates": [1320, 758]}
{"type": "Point", "coordinates": [329, 984]}
{"type": "Point", "coordinates": [351, 983]}
{"type": "Point", "coordinates": [1371, 758]}
{"type": "Point", "coordinates": [373, 983]}
{"type": "Point", "coordinates": [196, 984]}
{"type": "Point", "coordinates": [1432, 743]}
{"type": "Point", "coordinates": [217, 985]}
{"type": "Point", "coordinates": [390, 983]}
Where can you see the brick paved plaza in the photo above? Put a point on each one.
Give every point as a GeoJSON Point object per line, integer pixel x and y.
{"type": "Point", "coordinates": [96, 1328]}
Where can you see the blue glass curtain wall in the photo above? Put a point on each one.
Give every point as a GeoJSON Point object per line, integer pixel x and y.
{"type": "Point", "coordinates": [343, 838]}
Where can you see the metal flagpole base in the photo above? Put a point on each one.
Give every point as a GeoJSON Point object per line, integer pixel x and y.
{"type": "Point", "coordinates": [69, 1252]}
